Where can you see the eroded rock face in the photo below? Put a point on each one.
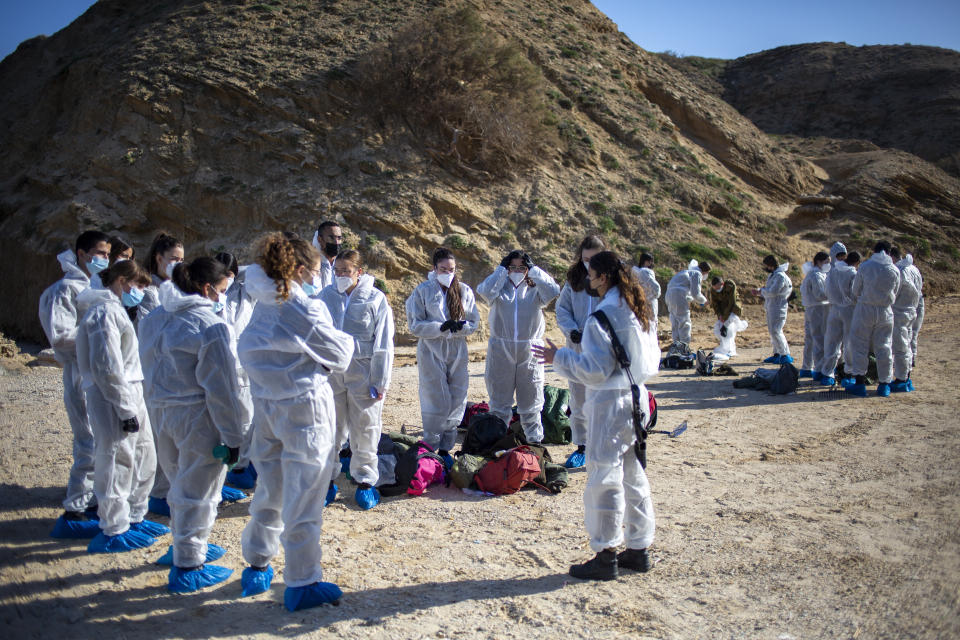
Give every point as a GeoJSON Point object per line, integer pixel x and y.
{"type": "Point", "coordinates": [904, 97]}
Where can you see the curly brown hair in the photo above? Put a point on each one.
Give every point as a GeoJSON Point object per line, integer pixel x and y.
{"type": "Point", "coordinates": [281, 256]}
{"type": "Point", "coordinates": [621, 276]}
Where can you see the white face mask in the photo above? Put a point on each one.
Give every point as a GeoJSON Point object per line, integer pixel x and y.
{"type": "Point", "coordinates": [169, 268]}
{"type": "Point", "coordinates": [220, 303]}
{"type": "Point", "coordinates": [344, 283]}
{"type": "Point", "coordinates": [230, 282]}
{"type": "Point", "coordinates": [445, 279]}
{"type": "Point", "coordinates": [586, 264]}
{"type": "Point", "coordinates": [517, 278]}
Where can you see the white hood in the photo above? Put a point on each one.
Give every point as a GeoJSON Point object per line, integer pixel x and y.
{"type": "Point", "coordinates": [782, 268]}
{"type": "Point", "coordinates": [263, 289]}
{"type": "Point", "coordinates": [881, 257]}
{"type": "Point", "coordinates": [174, 300]}
{"type": "Point", "coordinates": [809, 268]}
{"type": "Point", "coordinates": [90, 297]}
{"type": "Point", "coordinates": [907, 261]}
{"type": "Point", "coordinates": [693, 264]}
{"type": "Point", "coordinates": [68, 262]}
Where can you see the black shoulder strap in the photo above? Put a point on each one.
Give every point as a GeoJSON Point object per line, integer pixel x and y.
{"type": "Point", "coordinates": [623, 359]}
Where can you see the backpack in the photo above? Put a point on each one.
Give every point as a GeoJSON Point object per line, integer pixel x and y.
{"type": "Point", "coordinates": [679, 356]}
{"type": "Point", "coordinates": [465, 468]}
{"type": "Point", "coordinates": [484, 431]}
{"type": "Point", "coordinates": [473, 408]}
{"type": "Point", "coordinates": [417, 468]}
{"type": "Point", "coordinates": [555, 417]}
{"type": "Point", "coordinates": [653, 411]}
{"type": "Point", "coordinates": [785, 380]}
{"type": "Point", "coordinates": [704, 363]}
{"type": "Point", "coordinates": [508, 473]}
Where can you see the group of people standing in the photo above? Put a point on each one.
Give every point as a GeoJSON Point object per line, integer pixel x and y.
{"type": "Point", "coordinates": [180, 375]}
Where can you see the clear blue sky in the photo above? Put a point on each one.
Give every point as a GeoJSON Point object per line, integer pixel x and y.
{"type": "Point", "coordinates": [692, 27]}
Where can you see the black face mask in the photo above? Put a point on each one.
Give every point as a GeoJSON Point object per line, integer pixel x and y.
{"type": "Point", "coordinates": [332, 249]}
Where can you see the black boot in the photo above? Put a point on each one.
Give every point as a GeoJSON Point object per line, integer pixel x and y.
{"type": "Point", "coordinates": [635, 559]}
{"type": "Point", "coordinates": [603, 566]}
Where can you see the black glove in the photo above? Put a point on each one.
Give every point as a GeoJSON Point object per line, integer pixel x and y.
{"type": "Point", "coordinates": [457, 325]}
{"type": "Point", "coordinates": [505, 263]}
{"type": "Point", "coordinates": [576, 336]}
{"type": "Point", "coordinates": [723, 331]}
{"type": "Point", "coordinates": [448, 325]}
{"type": "Point", "coordinates": [527, 262]}
{"type": "Point", "coordinates": [130, 425]}
{"type": "Point", "coordinates": [234, 456]}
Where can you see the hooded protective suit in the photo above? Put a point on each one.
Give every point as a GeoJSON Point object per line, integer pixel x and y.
{"type": "Point", "coordinates": [617, 493]}
{"type": "Point", "coordinates": [573, 309]}
{"type": "Point", "coordinates": [366, 315]}
{"type": "Point", "coordinates": [516, 323]}
{"type": "Point", "coordinates": [441, 359]}
{"type": "Point", "coordinates": [875, 288]}
{"type": "Point", "coordinates": [816, 309]}
{"type": "Point", "coordinates": [905, 308]}
{"type": "Point", "coordinates": [237, 313]}
{"type": "Point", "coordinates": [59, 317]}
{"type": "Point", "coordinates": [775, 294]}
{"type": "Point", "coordinates": [651, 289]}
{"type": "Point", "coordinates": [193, 387]}
{"type": "Point", "coordinates": [836, 249]}
{"type": "Point", "coordinates": [109, 361]}
{"type": "Point", "coordinates": [288, 350]}
{"type": "Point", "coordinates": [836, 337]}
{"type": "Point", "coordinates": [683, 288]}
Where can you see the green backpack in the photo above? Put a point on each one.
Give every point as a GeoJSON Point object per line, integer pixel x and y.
{"type": "Point", "coordinates": [464, 468]}
{"type": "Point", "coordinates": [556, 423]}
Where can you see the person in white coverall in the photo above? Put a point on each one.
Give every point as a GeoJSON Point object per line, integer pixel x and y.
{"type": "Point", "coordinates": [190, 367]}
{"type": "Point", "coordinates": [836, 337]}
{"type": "Point", "coordinates": [684, 288]}
{"type": "Point", "coordinates": [651, 287]}
{"type": "Point", "coordinates": [361, 310]}
{"type": "Point", "coordinates": [776, 295]}
{"type": "Point", "coordinates": [573, 308]}
{"type": "Point", "coordinates": [816, 310]}
{"type": "Point", "coordinates": [875, 288]}
{"type": "Point", "coordinates": [328, 240]}
{"type": "Point", "coordinates": [109, 361]}
{"type": "Point", "coordinates": [517, 291]}
{"type": "Point", "coordinates": [288, 350]}
{"type": "Point", "coordinates": [441, 313]}
{"type": "Point", "coordinates": [617, 504]}
{"type": "Point", "coordinates": [59, 317]}
{"type": "Point", "coordinates": [905, 311]}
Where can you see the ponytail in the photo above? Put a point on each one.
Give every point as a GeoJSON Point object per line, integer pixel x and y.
{"type": "Point", "coordinates": [191, 277]}
{"type": "Point", "coordinates": [620, 275]}
{"type": "Point", "coordinates": [454, 300]}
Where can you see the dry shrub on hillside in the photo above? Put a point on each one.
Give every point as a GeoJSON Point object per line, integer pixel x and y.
{"type": "Point", "coordinates": [472, 97]}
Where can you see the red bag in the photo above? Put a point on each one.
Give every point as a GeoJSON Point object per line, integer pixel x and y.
{"type": "Point", "coordinates": [473, 408]}
{"type": "Point", "coordinates": [508, 473]}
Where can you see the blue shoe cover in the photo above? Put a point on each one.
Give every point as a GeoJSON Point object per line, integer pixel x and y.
{"type": "Point", "coordinates": [214, 552]}
{"type": "Point", "coordinates": [774, 359]}
{"type": "Point", "coordinates": [331, 494]}
{"type": "Point", "coordinates": [367, 498]}
{"type": "Point", "coordinates": [883, 389]}
{"type": "Point", "coordinates": [64, 528]}
{"type": "Point", "coordinates": [847, 382]}
{"type": "Point", "coordinates": [898, 387]}
{"type": "Point", "coordinates": [312, 595]}
{"type": "Point", "coordinates": [254, 582]}
{"type": "Point", "coordinates": [150, 528]}
{"type": "Point", "coordinates": [817, 376]}
{"type": "Point", "coordinates": [910, 386]}
{"type": "Point", "coordinates": [447, 461]}
{"type": "Point", "coordinates": [827, 381]}
{"type": "Point", "coordinates": [785, 360]}
{"type": "Point", "coordinates": [805, 373]}
{"type": "Point", "coordinates": [246, 479]}
{"type": "Point", "coordinates": [575, 460]}
{"type": "Point", "coordinates": [158, 506]}
{"type": "Point", "coordinates": [229, 494]}
{"type": "Point", "coordinates": [858, 390]}
{"type": "Point", "coordinates": [183, 581]}
{"type": "Point", "coordinates": [345, 465]}
{"type": "Point", "coordinates": [129, 540]}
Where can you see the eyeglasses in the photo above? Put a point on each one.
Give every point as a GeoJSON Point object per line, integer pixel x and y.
{"type": "Point", "coordinates": [515, 269]}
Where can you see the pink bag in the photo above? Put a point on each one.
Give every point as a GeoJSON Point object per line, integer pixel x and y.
{"type": "Point", "coordinates": [429, 470]}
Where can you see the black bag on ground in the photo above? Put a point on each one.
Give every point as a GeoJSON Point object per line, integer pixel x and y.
{"type": "Point", "coordinates": [785, 381]}
{"type": "Point", "coordinates": [704, 363]}
{"type": "Point", "coordinates": [484, 431]}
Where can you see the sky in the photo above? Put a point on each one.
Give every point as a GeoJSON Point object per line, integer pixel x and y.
{"type": "Point", "coordinates": [713, 29]}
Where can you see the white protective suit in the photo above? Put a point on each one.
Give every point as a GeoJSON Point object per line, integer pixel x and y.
{"type": "Point", "coordinates": [573, 309]}
{"type": "Point", "coordinates": [193, 388]}
{"type": "Point", "coordinates": [237, 313]}
{"type": "Point", "coordinates": [916, 330]}
{"type": "Point", "coordinates": [727, 344]}
{"type": "Point", "coordinates": [875, 288]}
{"type": "Point", "coordinates": [516, 323]}
{"type": "Point", "coordinates": [617, 494]}
{"type": "Point", "coordinates": [651, 288]}
{"type": "Point", "coordinates": [59, 317]}
{"type": "Point", "coordinates": [905, 311]}
{"type": "Point", "coordinates": [327, 276]}
{"type": "Point", "coordinates": [683, 288]}
{"type": "Point", "coordinates": [836, 337]}
{"type": "Point", "coordinates": [775, 294]}
{"type": "Point", "coordinates": [288, 350]}
{"type": "Point", "coordinates": [153, 297]}
{"type": "Point", "coordinates": [836, 249]}
{"type": "Point", "coordinates": [441, 359]}
{"type": "Point", "coordinates": [816, 310]}
{"type": "Point", "coordinates": [109, 361]}
{"type": "Point", "coordinates": [365, 315]}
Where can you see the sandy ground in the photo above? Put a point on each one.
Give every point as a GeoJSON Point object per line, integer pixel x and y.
{"type": "Point", "coordinates": [778, 517]}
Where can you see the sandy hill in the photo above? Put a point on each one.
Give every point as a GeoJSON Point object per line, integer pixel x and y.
{"type": "Point", "coordinates": [482, 125]}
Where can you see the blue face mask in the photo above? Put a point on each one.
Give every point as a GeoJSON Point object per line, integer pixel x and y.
{"type": "Point", "coordinates": [220, 303]}
{"type": "Point", "coordinates": [309, 289]}
{"type": "Point", "coordinates": [132, 298]}
{"type": "Point", "coordinates": [97, 264]}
